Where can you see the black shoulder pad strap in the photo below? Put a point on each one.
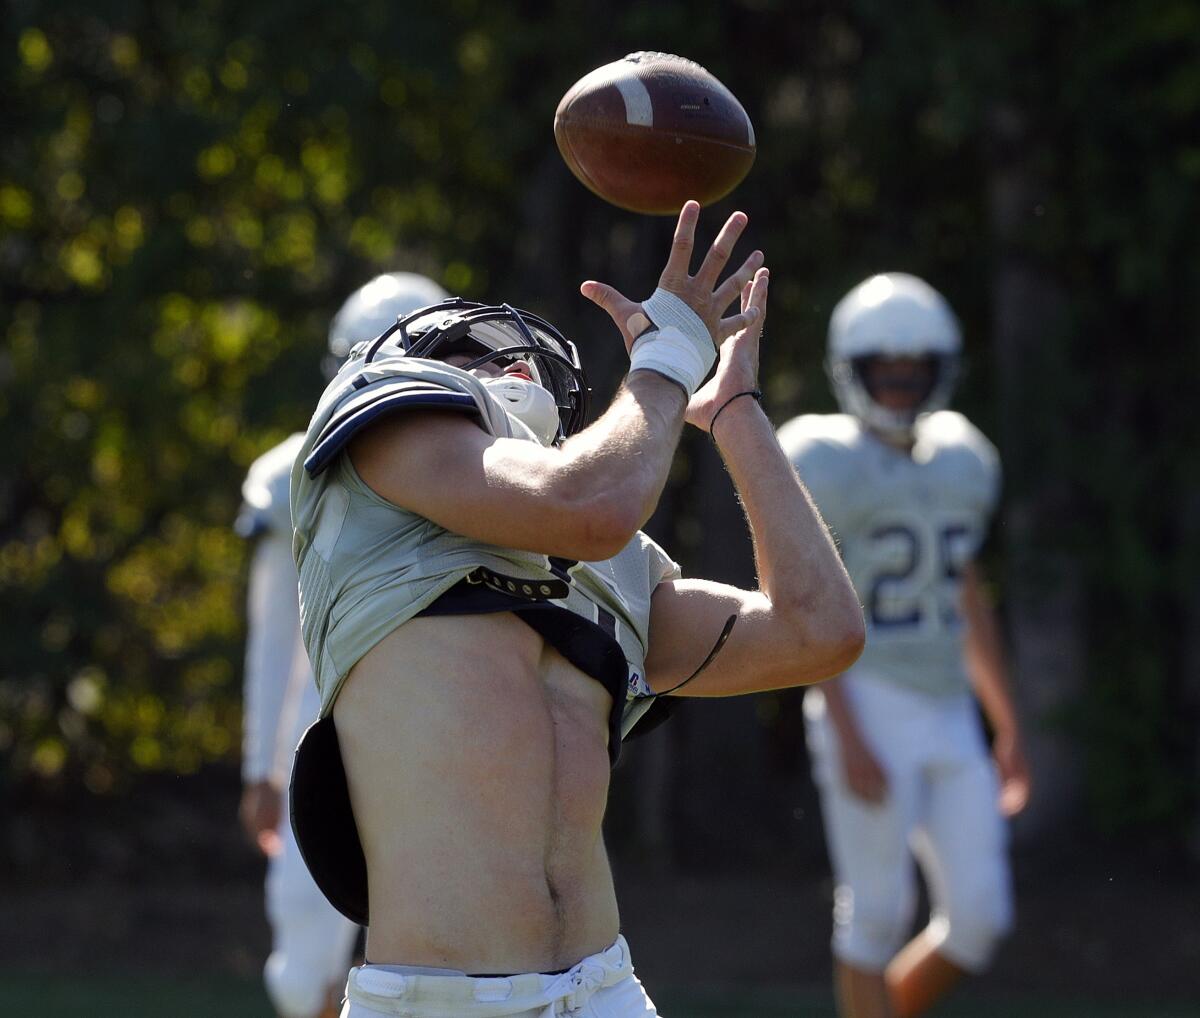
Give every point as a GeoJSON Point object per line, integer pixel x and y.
{"type": "Point", "coordinates": [364, 407]}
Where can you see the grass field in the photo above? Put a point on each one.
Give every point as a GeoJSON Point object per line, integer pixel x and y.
{"type": "Point", "coordinates": [51, 996]}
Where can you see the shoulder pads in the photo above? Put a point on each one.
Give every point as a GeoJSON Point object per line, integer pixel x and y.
{"type": "Point", "coordinates": [809, 430]}
{"type": "Point", "coordinates": [366, 392]}
{"type": "Point", "coordinates": [948, 429]}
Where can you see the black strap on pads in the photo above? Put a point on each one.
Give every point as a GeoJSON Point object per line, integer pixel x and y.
{"type": "Point", "coordinates": [323, 821]}
{"type": "Point", "coordinates": [514, 586]}
{"type": "Point", "coordinates": [587, 645]}
{"type": "Point", "coordinates": [370, 404]}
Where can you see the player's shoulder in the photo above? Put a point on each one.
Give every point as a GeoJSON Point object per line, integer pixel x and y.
{"type": "Point", "coordinates": [364, 392]}
{"type": "Point", "coordinates": [394, 379]}
{"type": "Point", "coordinates": [832, 432]}
{"type": "Point", "coordinates": [948, 431]}
{"type": "Point", "coordinates": [265, 496]}
{"type": "Point", "coordinates": [276, 461]}
{"type": "Point", "coordinates": [827, 449]}
{"type": "Point", "coordinates": [961, 454]}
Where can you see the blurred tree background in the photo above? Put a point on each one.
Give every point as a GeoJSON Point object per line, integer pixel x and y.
{"type": "Point", "coordinates": [189, 190]}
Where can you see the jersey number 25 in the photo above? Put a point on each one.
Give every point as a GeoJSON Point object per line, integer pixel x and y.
{"type": "Point", "coordinates": [915, 584]}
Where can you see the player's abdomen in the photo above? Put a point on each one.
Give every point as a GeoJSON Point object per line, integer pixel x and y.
{"type": "Point", "coordinates": [479, 772]}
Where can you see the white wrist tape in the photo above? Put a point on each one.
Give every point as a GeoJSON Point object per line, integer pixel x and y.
{"type": "Point", "coordinates": [681, 349]}
{"type": "Point", "coordinates": [664, 308]}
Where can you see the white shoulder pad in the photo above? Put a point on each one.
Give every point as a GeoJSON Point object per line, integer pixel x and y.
{"type": "Point", "coordinates": [948, 432]}
{"type": "Point", "coordinates": [806, 437]}
{"type": "Point", "coordinates": [361, 393]}
{"type": "Point", "coordinates": [948, 429]}
{"type": "Point", "coordinates": [823, 449]}
{"type": "Point", "coordinates": [265, 491]}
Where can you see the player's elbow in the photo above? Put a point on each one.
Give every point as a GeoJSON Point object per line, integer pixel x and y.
{"type": "Point", "coordinates": [603, 514]}
{"type": "Point", "coordinates": [849, 633]}
{"type": "Point", "coordinates": [824, 639]}
{"type": "Point", "coordinates": [845, 640]}
{"type": "Point", "coordinates": [602, 527]}
{"type": "Point", "coordinates": [577, 526]}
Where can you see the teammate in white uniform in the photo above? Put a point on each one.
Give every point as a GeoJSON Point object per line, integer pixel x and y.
{"type": "Point", "coordinates": [312, 942]}
{"type": "Point", "coordinates": [486, 622]}
{"type": "Point", "coordinates": [908, 488]}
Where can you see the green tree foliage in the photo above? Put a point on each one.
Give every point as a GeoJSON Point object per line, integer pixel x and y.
{"type": "Point", "coordinates": [188, 191]}
{"type": "Point", "coordinates": [186, 196]}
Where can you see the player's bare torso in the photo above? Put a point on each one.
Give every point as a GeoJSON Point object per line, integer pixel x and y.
{"type": "Point", "coordinates": [478, 764]}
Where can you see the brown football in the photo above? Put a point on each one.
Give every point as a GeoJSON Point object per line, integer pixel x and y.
{"type": "Point", "coordinates": [651, 131]}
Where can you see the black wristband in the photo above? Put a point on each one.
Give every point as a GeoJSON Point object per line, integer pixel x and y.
{"type": "Point", "coordinates": [756, 393]}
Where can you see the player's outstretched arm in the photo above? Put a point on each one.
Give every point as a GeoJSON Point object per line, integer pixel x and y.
{"type": "Point", "coordinates": [804, 623]}
{"type": "Point", "coordinates": [585, 499]}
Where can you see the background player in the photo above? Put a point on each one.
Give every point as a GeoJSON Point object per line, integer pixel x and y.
{"type": "Point", "coordinates": [478, 603]}
{"type": "Point", "coordinates": [312, 942]}
{"type": "Point", "coordinates": [899, 755]}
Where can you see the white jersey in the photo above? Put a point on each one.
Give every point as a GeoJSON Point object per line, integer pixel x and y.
{"type": "Point", "coordinates": [907, 525]}
{"type": "Point", "coordinates": [278, 696]}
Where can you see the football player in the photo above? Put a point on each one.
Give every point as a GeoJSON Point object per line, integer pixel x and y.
{"type": "Point", "coordinates": [486, 622]}
{"type": "Point", "coordinates": [312, 942]}
{"type": "Point", "coordinates": [907, 488]}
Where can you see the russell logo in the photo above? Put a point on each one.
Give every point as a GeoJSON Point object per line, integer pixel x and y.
{"type": "Point", "coordinates": [637, 685]}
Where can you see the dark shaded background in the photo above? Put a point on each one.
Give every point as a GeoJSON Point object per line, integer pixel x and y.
{"type": "Point", "coordinates": [189, 190]}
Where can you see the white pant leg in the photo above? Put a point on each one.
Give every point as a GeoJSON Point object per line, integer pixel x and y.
{"type": "Point", "coordinates": [627, 999]}
{"type": "Point", "coordinates": [875, 893]}
{"type": "Point", "coordinates": [311, 941]}
{"type": "Point", "coordinates": [962, 846]}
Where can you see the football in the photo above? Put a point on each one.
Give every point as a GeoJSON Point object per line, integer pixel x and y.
{"type": "Point", "coordinates": [652, 130]}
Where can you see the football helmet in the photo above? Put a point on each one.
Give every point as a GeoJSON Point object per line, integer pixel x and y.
{"type": "Point", "coordinates": [373, 307]}
{"type": "Point", "coordinates": [502, 334]}
{"type": "Point", "coordinates": [891, 315]}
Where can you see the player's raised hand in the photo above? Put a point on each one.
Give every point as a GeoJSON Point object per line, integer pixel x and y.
{"type": "Point", "coordinates": [737, 367]}
{"type": "Point", "coordinates": [700, 292]}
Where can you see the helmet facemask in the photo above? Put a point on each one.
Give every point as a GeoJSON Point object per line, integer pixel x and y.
{"type": "Point", "coordinates": [852, 383]}
{"type": "Point", "coordinates": [502, 335]}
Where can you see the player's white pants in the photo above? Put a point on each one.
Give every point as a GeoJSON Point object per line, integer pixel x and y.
{"type": "Point", "coordinates": [940, 807]}
{"type": "Point", "coordinates": [601, 986]}
{"type": "Point", "coordinates": [311, 940]}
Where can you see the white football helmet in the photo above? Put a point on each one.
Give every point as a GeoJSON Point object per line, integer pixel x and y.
{"type": "Point", "coordinates": [374, 307]}
{"type": "Point", "coordinates": [891, 315]}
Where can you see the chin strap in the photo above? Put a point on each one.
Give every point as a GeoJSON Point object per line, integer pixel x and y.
{"type": "Point", "coordinates": [528, 402]}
